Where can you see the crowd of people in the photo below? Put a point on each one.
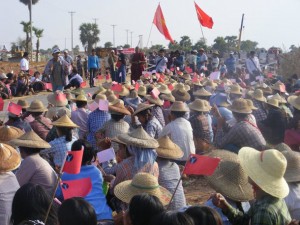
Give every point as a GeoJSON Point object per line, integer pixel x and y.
{"type": "Point", "coordinates": [154, 122]}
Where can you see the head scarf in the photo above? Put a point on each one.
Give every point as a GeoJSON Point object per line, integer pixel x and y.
{"type": "Point", "coordinates": [142, 156]}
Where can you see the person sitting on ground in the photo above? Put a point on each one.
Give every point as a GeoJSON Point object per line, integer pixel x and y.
{"type": "Point", "coordinates": [74, 80]}
{"type": "Point", "coordinates": [23, 85]}
{"type": "Point", "coordinates": [5, 92]}
{"type": "Point", "coordinates": [34, 169]}
{"type": "Point", "coordinates": [17, 121]}
{"type": "Point", "coordinates": [265, 171]}
{"type": "Point", "coordinates": [36, 84]}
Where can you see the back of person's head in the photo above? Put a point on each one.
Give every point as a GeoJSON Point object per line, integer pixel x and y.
{"type": "Point", "coordinates": [143, 207]}
{"type": "Point", "coordinates": [76, 211]}
{"type": "Point", "coordinates": [31, 202]}
{"type": "Point", "coordinates": [81, 104]}
{"type": "Point", "coordinates": [117, 117]}
{"type": "Point", "coordinates": [88, 151]}
{"type": "Point", "coordinates": [203, 215]}
{"type": "Point", "coordinates": [172, 218]}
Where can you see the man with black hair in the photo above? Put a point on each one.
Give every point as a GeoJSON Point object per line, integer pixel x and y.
{"type": "Point", "coordinates": [24, 63]}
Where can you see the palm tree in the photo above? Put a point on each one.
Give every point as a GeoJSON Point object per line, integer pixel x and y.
{"type": "Point", "coordinates": [26, 30]}
{"type": "Point", "coordinates": [29, 3]}
{"type": "Point", "coordinates": [89, 35]}
{"type": "Point", "coordinates": [38, 33]}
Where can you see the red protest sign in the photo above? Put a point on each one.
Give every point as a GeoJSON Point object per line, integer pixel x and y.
{"type": "Point", "coordinates": [48, 86]}
{"type": "Point", "coordinates": [170, 86]}
{"type": "Point", "coordinates": [14, 108]}
{"type": "Point", "coordinates": [83, 84]}
{"type": "Point", "coordinates": [76, 188]}
{"type": "Point", "coordinates": [73, 162]}
{"type": "Point", "coordinates": [117, 87]}
{"type": "Point", "coordinates": [167, 104]}
{"type": "Point", "coordinates": [1, 104]}
{"type": "Point", "coordinates": [201, 165]}
{"type": "Point", "coordinates": [136, 86]}
{"type": "Point", "coordinates": [99, 77]}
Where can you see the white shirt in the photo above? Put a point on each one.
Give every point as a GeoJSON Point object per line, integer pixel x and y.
{"type": "Point", "coordinates": [24, 64]}
{"type": "Point", "coordinates": [161, 64]}
{"type": "Point", "coordinates": [215, 62]}
{"type": "Point", "coordinates": [252, 64]}
{"type": "Point", "coordinates": [77, 77]}
{"type": "Point", "coordinates": [180, 132]}
{"type": "Point", "coordinates": [33, 79]}
{"type": "Point", "coordinates": [293, 200]}
{"type": "Point", "coordinates": [192, 59]}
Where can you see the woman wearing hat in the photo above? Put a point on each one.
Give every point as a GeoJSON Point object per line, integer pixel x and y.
{"type": "Point", "coordinates": [62, 144]}
{"type": "Point", "coordinates": [201, 123]}
{"type": "Point", "coordinates": [265, 171]}
{"type": "Point", "coordinates": [169, 173]}
{"type": "Point", "coordinates": [9, 160]}
{"type": "Point", "coordinates": [34, 169]}
{"type": "Point", "coordinates": [80, 115]}
{"type": "Point", "coordinates": [40, 125]}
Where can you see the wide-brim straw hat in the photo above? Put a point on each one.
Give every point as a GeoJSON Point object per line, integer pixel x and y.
{"type": "Point", "coordinates": [168, 97]}
{"type": "Point", "coordinates": [64, 121]}
{"type": "Point", "coordinates": [10, 158]}
{"type": "Point", "coordinates": [179, 106]}
{"type": "Point", "coordinates": [168, 149]}
{"type": "Point", "coordinates": [8, 133]}
{"type": "Point", "coordinates": [266, 169]}
{"type": "Point", "coordinates": [210, 83]}
{"type": "Point", "coordinates": [202, 93]}
{"type": "Point", "coordinates": [292, 173]}
{"type": "Point", "coordinates": [240, 105]}
{"type": "Point", "coordinates": [200, 105]}
{"type": "Point", "coordinates": [119, 108]}
{"type": "Point", "coordinates": [250, 103]}
{"type": "Point", "coordinates": [117, 140]}
{"type": "Point", "coordinates": [124, 92]}
{"type": "Point", "coordinates": [107, 85]}
{"type": "Point", "coordinates": [78, 91]}
{"type": "Point", "coordinates": [80, 98]}
{"type": "Point", "coordinates": [229, 178]}
{"type": "Point", "coordinates": [163, 89]}
{"type": "Point", "coordinates": [99, 90]}
{"type": "Point", "coordinates": [186, 76]}
{"type": "Point", "coordinates": [257, 95]}
{"type": "Point", "coordinates": [280, 99]}
{"type": "Point", "coordinates": [277, 85]}
{"type": "Point", "coordinates": [53, 100]}
{"type": "Point", "coordinates": [138, 138]}
{"type": "Point", "coordinates": [181, 95]}
{"type": "Point", "coordinates": [37, 106]}
{"type": "Point", "coordinates": [235, 89]}
{"type": "Point", "coordinates": [23, 103]}
{"type": "Point", "coordinates": [30, 140]}
{"type": "Point", "coordinates": [156, 101]}
{"type": "Point", "coordinates": [142, 91]}
{"type": "Point", "coordinates": [100, 97]}
{"type": "Point", "coordinates": [141, 107]}
{"type": "Point", "coordinates": [294, 101]}
{"type": "Point", "coordinates": [273, 102]}
{"type": "Point", "coordinates": [142, 183]}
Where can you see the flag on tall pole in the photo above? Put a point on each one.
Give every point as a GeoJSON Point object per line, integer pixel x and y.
{"type": "Point", "coordinates": [204, 19]}
{"type": "Point", "coordinates": [160, 23]}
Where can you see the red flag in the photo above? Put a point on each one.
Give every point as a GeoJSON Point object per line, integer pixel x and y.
{"type": "Point", "coordinates": [48, 86]}
{"type": "Point", "coordinates": [201, 165]}
{"type": "Point", "coordinates": [73, 162]}
{"type": "Point", "coordinates": [136, 86]}
{"type": "Point", "coordinates": [76, 188]}
{"type": "Point", "coordinates": [1, 104]}
{"type": "Point", "coordinates": [204, 19]}
{"type": "Point", "coordinates": [170, 86]}
{"type": "Point", "coordinates": [83, 84]}
{"type": "Point", "coordinates": [167, 104]}
{"type": "Point", "coordinates": [117, 87]}
{"type": "Point", "coordinates": [160, 23]}
{"type": "Point", "coordinates": [14, 108]}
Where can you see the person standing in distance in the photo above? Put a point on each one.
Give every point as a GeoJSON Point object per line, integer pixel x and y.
{"type": "Point", "coordinates": [93, 66]}
{"type": "Point", "coordinates": [121, 74]}
{"type": "Point", "coordinates": [24, 63]}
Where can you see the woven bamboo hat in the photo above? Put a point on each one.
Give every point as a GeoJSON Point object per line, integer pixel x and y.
{"type": "Point", "coordinates": [266, 169]}
{"type": "Point", "coordinates": [168, 149]}
{"type": "Point", "coordinates": [107, 85]}
{"type": "Point", "coordinates": [57, 102]}
{"type": "Point", "coordinates": [78, 91]}
{"type": "Point", "coordinates": [108, 93]}
{"type": "Point", "coordinates": [8, 133]}
{"type": "Point", "coordinates": [23, 103]}
{"type": "Point", "coordinates": [81, 98]}
{"type": "Point", "coordinates": [30, 140]}
{"type": "Point", "coordinates": [156, 101]}
{"type": "Point", "coordinates": [10, 159]}
{"type": "Point", "coordinates": [292, 173]}
{"type": "Point", "coordinates": [250, 103]}
{"type": "Point", "coordinates": [141, 107]}
{"type": "Point", "coordinates": [100, 97]}
{"type": "Point", "coordinates": [99, 90]}
{"type": "Point", "coordinates": [37, 106]}
{"type": "Point", "coordinates": [202, 92]}
{"type": "Point", "coordinates": [273, 102]}
{"type": "Point", "coordinates": [124, 92]}
{"type": "Point", "coordinates": [200, 105]}
{"type": "Point", "coordinates": [257, 95]}
{"type": "Point", "coordinates": [181, 95]}
{"type": "Point", "coordinates": [142, 91]}
{"type": "Point", "coordinates": [142, 183]}
{"type": "Point", "coordinates": [294, 101]}
{"type": "Point", "coordinates": [119, 108]}
{"type": "Point", "coordinates": [186, 76]}
{"type": "Point", "coordinates": [240, 105]}
{"type": "Point", "coordinates": [235, 89]}
{"type": "Point", "coordinates": [277, 86]}
{"type": "Point", "coordinates": [64, 121]}
{"type": "Point", "coordinates": [280, 99]}
{"type": "Point", "coordinates": [168, 97]}
{"type": "Point", "coordinates": [139, 138]}
{"type": "Point", "coordinates": [179, 106]}
{"type": "Point", "coordinates": [164, 89]}
{"type": "Point", "coordinates": [229, 178]}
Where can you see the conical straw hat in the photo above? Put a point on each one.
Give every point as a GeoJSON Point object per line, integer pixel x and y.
{"type": "Point", "coordinates": [8, 133]}
{"type": "Point", "coordinates": [168, 149]}
{"type": "Point", "coordinates": [164, 89]}
{"type": "Point", "coordinates": [10, 159]}
{"type": "Point", "coordinates": [235, 89]}
{"type": "Point", "coordinates": [200, 105]}
{"type": "Point", "coordinates": [257, 95]}
{"type": "Point", "coordinates": [240, 105]}
{"type": "Point", "coordinates": [181, 94]}
{"type": "Point", "coordinates": [81, 98]}
{"type": "Point", "coordinates": [168, 97]}
{"type": "Point", "coordinates": [119, 108]}
{"type": "Point", "coordinates": [142, 183]}
{"type": "Point", "coordinates": [273, 102]}
{"type": "Point", "coordinates": [30, 140]}
{"type": "Point", "coordinates": [64, 121]}
{"type": "Point", "coordinates": [156, 101]}
{"type": "Point", "coordinates": [179, 106]}
{"type": "Point", "coordinates": [141, 107]}
{"type": "Point", "coordinates": [139, 138]}
{"type": "Point", "coordinates": [202, 92]}
{"type": "Point", "coordinates": [142, 91]}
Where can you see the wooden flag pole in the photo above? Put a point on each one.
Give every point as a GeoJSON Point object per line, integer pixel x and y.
{"type": "Point", "coordinates": [149, 35]}
{"type": "Point", "coordinates": [203, 34]}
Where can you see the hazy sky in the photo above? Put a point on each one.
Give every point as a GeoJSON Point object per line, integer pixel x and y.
{"type": "Point", "coordinates": [269, 22]}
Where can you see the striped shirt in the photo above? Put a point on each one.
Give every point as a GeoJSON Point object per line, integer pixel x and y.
{"type": "Point", "coordinates": [158, 113]}
{"type": "Point", "coordinates": [153, 128]}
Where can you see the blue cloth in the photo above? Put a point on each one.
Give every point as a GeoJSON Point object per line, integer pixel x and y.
{"type": "Point", "coordinates": [96, 197]}
{"type": "Point", "coordinates": [95, 122]}
{"type": "Point", "coordinates": [23, 125]}
{"type": "Point", "coordinates": [121, 74]}
{"type": "Point", "coordinates": [142, 156]}
{"type": "Point", "coordinates": [57, 87]}
{"type": "Point", "coordinates": [211, 133]}
{"type": "Point", "coordinates": [93, 62]}
{"type": "Point", "coordinates": [230, 63]}
{"type": "Point", "coordinates": [179, 62]}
